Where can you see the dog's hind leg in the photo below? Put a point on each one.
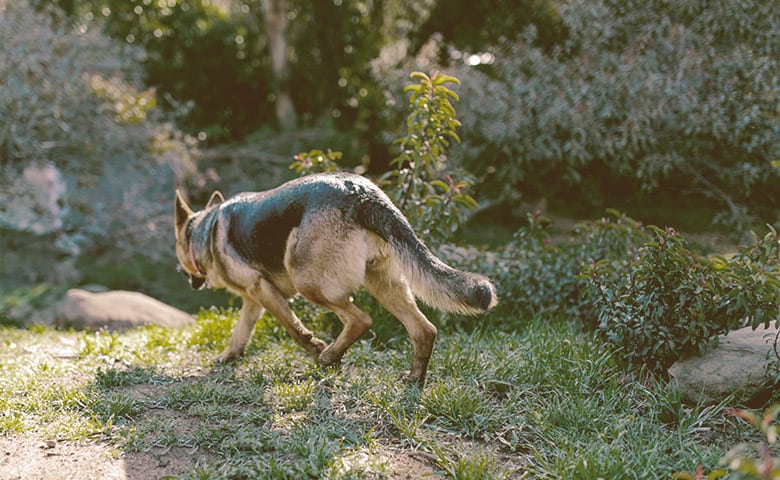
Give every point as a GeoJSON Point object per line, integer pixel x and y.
{"type": "Point", "coordinates": [250, 312]}
{"type": "Point", "coordinates": [394, 294]}
{"type": "Point", "coordinates": [269, 296]}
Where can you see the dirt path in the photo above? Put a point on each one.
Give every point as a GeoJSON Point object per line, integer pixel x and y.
{"type": "Point", "coordinates": [29, 459]}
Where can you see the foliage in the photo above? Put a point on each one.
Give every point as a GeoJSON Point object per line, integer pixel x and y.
{"type": "Point", "coordinates": [315, 161]}
{"type": "Point", "coordinates": [73, 99]}
{"type": "Point", "coordinates": [669, 302]}
{"type": "Point", "coordinates": [643, 97]}
{"type": "Point", "coordinates": [19, 305]}
{"type": "Point", "coordinates": [61, 89]}
{"type": "Point", "coordinates": [210, 62]}
{"type": "Point", "coordinates": [476, 26]}
{"type": "Point", "coordinates": [766, 466]}
{"type": "Point", "coordinates": [334, 44]}
{"type": "Point", "coordinates": [207, 65]}
{"type": "Point", "coordinates": [537, 276]}
{"type": "Point", "coordinates": [434, 207]}
{"type": "Point", "coordinates": [738, 461]}
{"type": "Point", "coordinates": [641, 288]}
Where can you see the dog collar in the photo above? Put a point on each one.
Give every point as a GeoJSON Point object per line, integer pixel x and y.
{"type": "Point", "coordinates": [193, 260]}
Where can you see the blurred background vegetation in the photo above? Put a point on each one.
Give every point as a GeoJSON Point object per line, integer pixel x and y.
{"type": "Point", "coordinates": [667, 110]}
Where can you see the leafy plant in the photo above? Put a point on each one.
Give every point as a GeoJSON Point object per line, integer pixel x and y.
{"type": "Point", "coordinates": [50, 75]}
{"type": "Point", "coordinates": [315, 161]}
{"type": "Point", "coordinates": [670, 302]}
{"type": "Point", "coordinates": [538, 276]}
{"type": "Point", "coordinates": [762, 465]}
{"type": "Point", "coordinates": [747, 461]}
{"type": "Point", "coordinates": [642, 96]}
{"type": "Point", "coordinates": [434, 203]}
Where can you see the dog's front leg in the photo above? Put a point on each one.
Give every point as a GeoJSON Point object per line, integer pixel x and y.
{"type": "Point", "coordinates": [277, 306]}
{"type": "Point", "coordinates": [250, 312]}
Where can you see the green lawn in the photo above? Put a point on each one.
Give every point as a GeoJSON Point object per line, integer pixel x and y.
{"type": "Point", "coordinates": [546, 401]}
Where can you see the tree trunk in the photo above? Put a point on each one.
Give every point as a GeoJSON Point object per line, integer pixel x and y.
{"type": "Point", "coordinates": [275, 16]}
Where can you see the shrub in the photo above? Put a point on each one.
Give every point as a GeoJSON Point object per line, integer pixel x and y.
{"type": "Point", "coordinates": [644, 96]}
{"type": "Point", "coordinates": [73, 99]}
{"type": "Point", "coordinates": [747, 461]}
{"type": "Point", "coordinates": [669, 302]}
{"type": "Point", "coordinates": [196, 56]}
{"type": "Point", "coordinates": [55, 103]}
{"type": "Point", "coordinates": [536, 276]}
{"type": "Point", "coordinates": [641, 288]}
{"type": "Point", "coordinates": [211, 64]}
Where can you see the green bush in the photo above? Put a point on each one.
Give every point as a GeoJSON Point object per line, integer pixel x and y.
{"type": "Point", "coordinates": [74, 99]}
{"type": "Point", "coordinates": [536, 276]}
{"type": "Point", "coordinates": [643, 97]}
{"type": "Point", "coordinates": [65, 92]}
{"type": "Point", "coordinates": [670, 302]}
{"type": "Point", "coordinates": [641, 288]}
{"type": "Point", "coordinates": [211, 65]}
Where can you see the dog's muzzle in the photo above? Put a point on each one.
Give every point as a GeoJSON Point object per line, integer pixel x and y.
{"type": "Point", "coordinates": [196, 283]}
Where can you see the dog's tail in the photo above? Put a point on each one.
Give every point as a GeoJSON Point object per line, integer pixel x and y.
{"type": "Point", "coordinates": [432, 281]}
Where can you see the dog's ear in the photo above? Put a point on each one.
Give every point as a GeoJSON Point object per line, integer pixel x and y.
{"type": "Point", "coordinates": [216, 199]}
{"type": "Point", "coordinates": [182, 211]}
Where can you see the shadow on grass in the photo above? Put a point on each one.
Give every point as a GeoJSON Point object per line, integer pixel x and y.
{"type": "Point", "coordinates": [241, 421]}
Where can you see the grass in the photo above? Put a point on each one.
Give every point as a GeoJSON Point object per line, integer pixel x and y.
{"type": "Point", "coordinates": [546, 401]}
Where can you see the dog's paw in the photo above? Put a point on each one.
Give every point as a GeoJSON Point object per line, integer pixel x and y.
{"type": "Point", "coordinates": [417, 379]}
{"type": "Point", "coordinates": [227, 356]}
{"type": "Point", "coordinates": [328, 358]}
{"type": "Point", "coordinates": [315, 348]}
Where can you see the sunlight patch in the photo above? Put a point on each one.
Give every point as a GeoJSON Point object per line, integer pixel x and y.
{"type": "Point", "coordinates": [359, 463]}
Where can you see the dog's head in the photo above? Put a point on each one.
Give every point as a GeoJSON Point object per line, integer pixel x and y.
{"type": "Point", "coordinates": [184, 230]}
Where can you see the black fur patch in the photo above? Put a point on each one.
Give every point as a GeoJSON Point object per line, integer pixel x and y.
{"type": "Point", "coordinates": [260, 223]}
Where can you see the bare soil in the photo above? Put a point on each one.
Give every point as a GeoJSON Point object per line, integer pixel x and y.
{"type": "Point", "coordinates": [23, 458]}
{"type": "Point", "coordinates": [31, 459]}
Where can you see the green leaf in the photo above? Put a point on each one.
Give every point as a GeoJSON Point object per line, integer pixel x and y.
{"type": "Point", "coordinates": [467, 201]}
{"type": "Point", "coordinates": [441, 79]}
{"type": "Point", "coordinates": [420, 75]}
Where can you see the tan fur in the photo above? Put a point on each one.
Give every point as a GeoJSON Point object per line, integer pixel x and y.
{"type": "Point", "coordinates": [326, 260]}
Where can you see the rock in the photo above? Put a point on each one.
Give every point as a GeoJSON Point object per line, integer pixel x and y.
{"type": "Point", "coordinates": [116, 310]}
{"type": "Point", "coordinates": [737, 365]}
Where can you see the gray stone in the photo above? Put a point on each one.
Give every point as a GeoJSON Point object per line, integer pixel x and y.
{"type": "Point", "coordinates": [116, 310]}
{"type": "Point", "coordinates": [737, 365]}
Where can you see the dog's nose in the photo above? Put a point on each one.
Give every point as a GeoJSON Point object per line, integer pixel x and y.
{"type": "Point", "coordinates": [197, 283]}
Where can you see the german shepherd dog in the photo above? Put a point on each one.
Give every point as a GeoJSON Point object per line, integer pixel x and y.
{"type": "Point", "coordinates": [323, 236]}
